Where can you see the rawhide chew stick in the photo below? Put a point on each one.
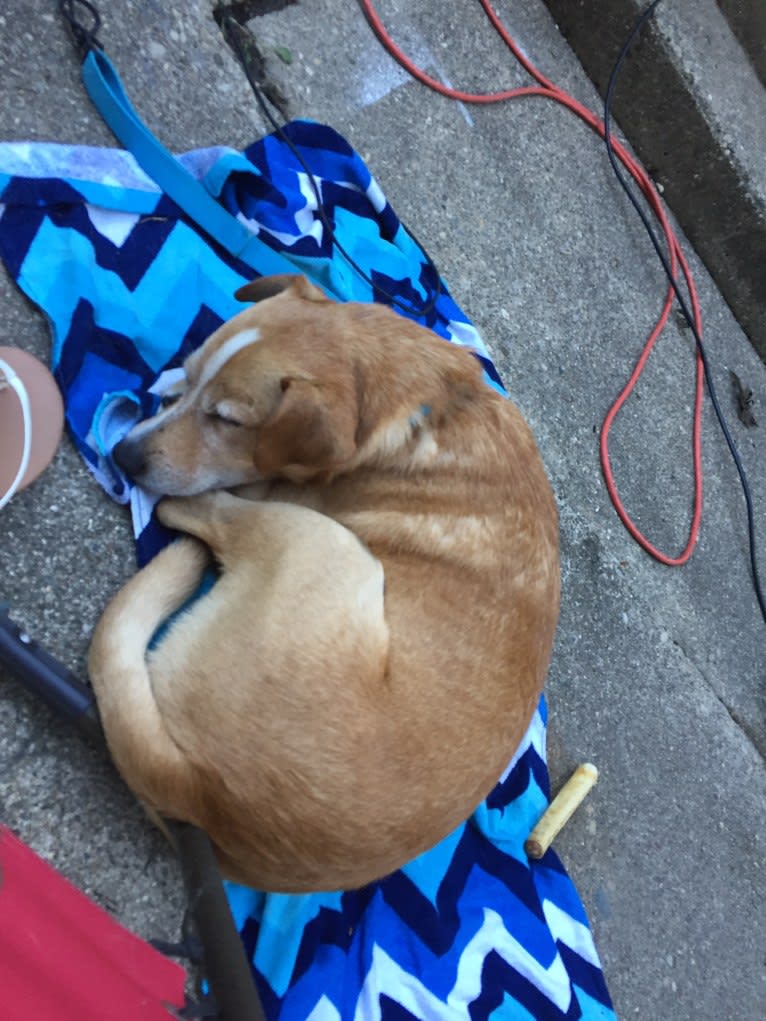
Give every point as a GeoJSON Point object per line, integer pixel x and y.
{"type": "Point", "coordinates": [560, 810]}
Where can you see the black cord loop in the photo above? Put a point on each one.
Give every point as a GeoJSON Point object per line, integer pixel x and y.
{"type": "Point", "coordinates": [85, 35]}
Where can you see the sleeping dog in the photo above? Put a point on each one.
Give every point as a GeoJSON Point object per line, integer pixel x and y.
{"type": "Point", "coordinates": [376, 643]}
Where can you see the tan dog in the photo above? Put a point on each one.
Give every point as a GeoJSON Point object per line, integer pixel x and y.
{"type": "Point", "coordinates": [367, 663]}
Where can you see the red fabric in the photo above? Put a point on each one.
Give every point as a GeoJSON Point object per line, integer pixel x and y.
{"type": "Point", "coordinates": [62, 957]}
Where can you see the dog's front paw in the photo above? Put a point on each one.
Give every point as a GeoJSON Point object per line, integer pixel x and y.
{"type": "Point", "coordinates": [182, 512]}
{"type": "Point", "coordinates": [201, 515]}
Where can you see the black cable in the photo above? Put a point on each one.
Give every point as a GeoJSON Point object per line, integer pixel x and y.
{"type": "Point", "coordinates": [681, 301]}
{"type": "Point", "coordinates": [231, 34]}
{"type": "Point", "coordinates": [85, 36]}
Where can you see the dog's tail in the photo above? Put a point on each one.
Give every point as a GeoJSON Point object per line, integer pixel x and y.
{"type": "Point", "coordinates": [138, 739]}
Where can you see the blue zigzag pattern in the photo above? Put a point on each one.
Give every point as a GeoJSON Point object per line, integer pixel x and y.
{"type": "Point", "coordinates": [471, 929]}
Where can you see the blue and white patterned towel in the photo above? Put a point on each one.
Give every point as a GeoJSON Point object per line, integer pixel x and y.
{"type": "Point", "coordinates": [130, 287]}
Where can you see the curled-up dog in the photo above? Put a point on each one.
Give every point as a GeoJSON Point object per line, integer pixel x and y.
{"type": "Point", "coordinates": [373, 650]}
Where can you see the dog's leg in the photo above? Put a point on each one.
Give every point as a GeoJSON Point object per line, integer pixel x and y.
{"type": "Point", "coordinates": [216, 518]}
{"type": "Point", "coordinates": [200, 515]}
{"type": "Point", "coordinates": [135, 730]}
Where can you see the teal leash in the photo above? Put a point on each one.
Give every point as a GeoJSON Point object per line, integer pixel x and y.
{"type": "Point", "coordinates": [105, 88]}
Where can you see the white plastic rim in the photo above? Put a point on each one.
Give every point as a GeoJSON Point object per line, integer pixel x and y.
{"type": "Point", "coordinates": [11, 378]}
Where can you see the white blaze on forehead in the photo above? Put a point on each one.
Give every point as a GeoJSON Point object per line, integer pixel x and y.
{"type": "Point", "coordinates": [223, 354]}
{"type": "Point", "coordinates": [211, 368]}
{"type": "Point", "coordinates": [168, 382]}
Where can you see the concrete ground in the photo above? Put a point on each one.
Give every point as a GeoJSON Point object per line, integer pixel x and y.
{"type": "Point", "coordinates": [658, 674]}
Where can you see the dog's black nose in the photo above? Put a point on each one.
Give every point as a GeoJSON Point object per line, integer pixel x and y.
{"type": "Point", "coordinates": [129, 457]}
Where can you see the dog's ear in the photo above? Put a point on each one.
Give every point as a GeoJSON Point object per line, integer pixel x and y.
{"type": "Point", "coordinates": [313, 429]}
{"type": "Point", "coordinates": [268, 287]}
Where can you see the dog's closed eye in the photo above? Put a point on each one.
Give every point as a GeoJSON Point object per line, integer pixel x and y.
{"type": "Point", "coordinates": [230, 413]}
{"type": "Point", "coordinates": [170, 398]}
{"type": "Point", "coordinates": [224, 418]}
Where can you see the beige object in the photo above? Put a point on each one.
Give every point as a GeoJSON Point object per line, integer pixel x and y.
{"type": "Point", "coordinates": [561, 810]}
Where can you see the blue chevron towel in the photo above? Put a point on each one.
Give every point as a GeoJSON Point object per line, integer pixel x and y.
{"type": "Point", "coordinates": [471, 928]}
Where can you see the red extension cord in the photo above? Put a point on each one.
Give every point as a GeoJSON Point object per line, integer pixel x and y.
{"type": "Point", "coordinates": [548, 90]}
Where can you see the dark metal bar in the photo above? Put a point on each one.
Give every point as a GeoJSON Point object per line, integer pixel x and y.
{"type": "Point", "coordinates": [226, 966]}
{"type": "Point", "coordinates": [46, 678]}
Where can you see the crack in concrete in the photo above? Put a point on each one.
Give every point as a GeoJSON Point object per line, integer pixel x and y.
{"type": "Point", "coordinates": [233, 17]}
{"type": "Point", "coordinates": [742, 724]}
{"type": "Point", "coordinates": [245, 10]}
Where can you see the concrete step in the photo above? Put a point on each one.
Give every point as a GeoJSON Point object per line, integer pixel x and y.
{"type": "Point", "coordinates": [692, 104]}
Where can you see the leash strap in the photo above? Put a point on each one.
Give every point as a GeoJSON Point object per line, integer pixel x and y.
{"type": "Point", "coordinates": [106, 90]}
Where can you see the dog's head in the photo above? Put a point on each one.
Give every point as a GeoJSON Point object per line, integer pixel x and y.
{"type": "Point", "coordinates": [293, 387]}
